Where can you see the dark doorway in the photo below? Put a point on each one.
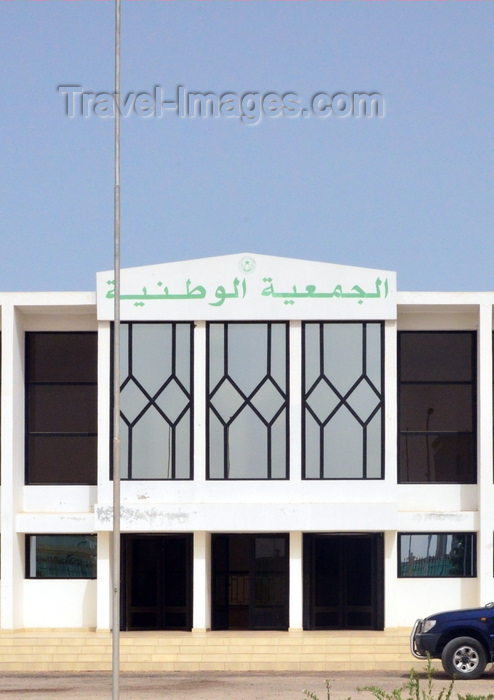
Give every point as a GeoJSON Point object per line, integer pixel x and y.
{"type": "Point", "coordinates": [157, 582]}
{"type": "Point", "coordinates": [250, 582]}
{"type": "Point", "coordinates": [343, 582]}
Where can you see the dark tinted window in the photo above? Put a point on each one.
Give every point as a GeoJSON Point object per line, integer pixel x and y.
{"type": "Point", "coordinates": [61, 408]}
{"type": "Point", "coordinates": [436, 356]}
{"type": "Point", "coordinates": [437, 407]}
{"type": "Point", "coordinates": [445, 554]}
{"type": "Point", "coordinates": [62, 357]}
{"type": "Point", "coordinates": [61, 556]}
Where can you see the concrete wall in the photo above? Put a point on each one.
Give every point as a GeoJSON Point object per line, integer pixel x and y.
{"type": "Point", "coordinates": [202, 507]}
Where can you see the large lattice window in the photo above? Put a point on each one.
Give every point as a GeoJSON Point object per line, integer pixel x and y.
{"type": "Point", "coordinates": [343, 416]}
{"type": "Point", "coordinates": [247, 388]}
{"type": "Point", "coordinates": [156, 400]}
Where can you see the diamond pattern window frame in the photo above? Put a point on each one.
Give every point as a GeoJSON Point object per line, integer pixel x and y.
{"type": "Point", "coordinates": [343, 399]}
{"type": "Point", "coordinates": [247, 400]}
{"type": "Point", "coordinates": [152, 402]}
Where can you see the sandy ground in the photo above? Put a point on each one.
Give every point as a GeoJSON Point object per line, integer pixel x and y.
{"type": "Point", "coordinates": [223, 686]}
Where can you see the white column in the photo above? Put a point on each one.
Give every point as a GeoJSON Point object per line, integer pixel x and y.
{"type": "Point", "coordinates": [295, 613]}
{"type": "Point", "coordinates": [105, 486]}
{"type": "Point", "coordinates": [390, 468]}
{"type": "Point", "coordinates": [12, 467]}
{"type": "Point", "coordinates": [391, 414]}
{"type": "Point", "coordinates": [295, 401]}
{"type": "Point", "coordinates": [199, 403]}
{"type": "Point", "coordinates": [103, 582]}
{"type": "Point", "coordinates": [484, 456]}
{"type": "Point", "coordinates": [202, 581]}
{"type": "Point", "coordinates": [201, 596]}
{"type": "Point", "coordinates": [392, 602]}
{"type": "Point", "coordinates": [296, 581]}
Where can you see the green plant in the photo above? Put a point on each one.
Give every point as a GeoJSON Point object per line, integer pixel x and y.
{"type": "Point", "coordinates": [411, 690]}
{"type": "Point", "coordinates": [313, 696]}
{"type": "Point", "coordinates": [415, 692]}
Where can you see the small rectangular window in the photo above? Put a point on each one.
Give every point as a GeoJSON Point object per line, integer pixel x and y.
{"type": "Point", "coordinates": [437, 555]}
{"type": "Point", "coordinates": [61, 556]}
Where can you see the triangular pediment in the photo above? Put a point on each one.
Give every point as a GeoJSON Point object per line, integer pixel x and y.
{"type": "Point", "coordinates": [248, 286]}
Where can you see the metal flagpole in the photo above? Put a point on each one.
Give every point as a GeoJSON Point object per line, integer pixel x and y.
{"type": "Point", "coordinates": [116, 381]}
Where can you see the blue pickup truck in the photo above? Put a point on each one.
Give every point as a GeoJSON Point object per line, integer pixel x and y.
{"type": "Point", "coordinates": [462, 639]}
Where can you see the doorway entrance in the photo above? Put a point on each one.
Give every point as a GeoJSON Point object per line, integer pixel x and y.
{"type": "Point", "coordinates": [250, 582]}
{"type": "Point", "coordinates": [156, 582]}
{"type": "Point", "coordinates": [343, 581]}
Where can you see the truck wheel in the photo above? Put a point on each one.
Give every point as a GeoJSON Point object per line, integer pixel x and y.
{"type": "Point", "coordinates": [464, 657]}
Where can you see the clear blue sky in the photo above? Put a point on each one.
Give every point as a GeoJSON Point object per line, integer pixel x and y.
{"type": "Point", "coordinates": [411, 192]}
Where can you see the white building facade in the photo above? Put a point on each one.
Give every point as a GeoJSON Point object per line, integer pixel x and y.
{"type": "Point", "coordinates": [303, 448]}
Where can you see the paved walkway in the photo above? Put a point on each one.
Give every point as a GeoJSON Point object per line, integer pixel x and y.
{"type": "Point", "coordinates": [222, 686]}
